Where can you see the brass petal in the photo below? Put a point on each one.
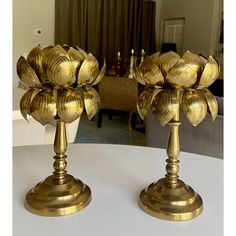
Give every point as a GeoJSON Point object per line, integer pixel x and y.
{"type": "Point", "coordinates": [50, 52]}
{"type": "Point", "coordinates": [101, 74]}
{"type": "Point", "coordinates": [58, 49]}
{"type": "Point", "coordinates": [43, 107]}
{"type": "Point", "coordinates": [92, 102]}
{"type": "Point", "coordinates": [76, 59]}
{"type": "Point", "coordinates": [25, 102]}
{"type": "Point", "coordinates": [182, 74]}
{"type": "Point", "coordinates": [88, 71]}
{"type": "Point", "coordinates": [164, 106]}
{"type": "Point", "coordinates": [59, 69]}
{"type": "Point", "coordinates": [66, 47]}
{"type": "Point", "coordinates": [83, 54]}
{"type": "Point", "coordinates": [137, 75]}
{"type": "Point", "coordinates": [70, 105]}
{"type": "Point", "coordinates": [190, 57]}
{"type": "Point", "coordinates": [26, 74]}
{"type": "Point", "coordinates": [204, 60]}
{"type": "Point", "coordinates": [150, 73]}
{"type": "Point", "coordinates": [46, 51]}
{"type": "Point", "coordinates": [75, 55]}
{"type": "Point", "coordinates": [35, 60]}
{"type": "Point", "coordinates": [155, 57]}
{"type": "Point", "coordinates": [194, 106]}
{"type": "Point", "coordinates": [166, 61]}
{"type": "Point", "coordinates": [43, 73]}
{"type": "Point", "coordinates": [212, 105]}
{"type": "Point", "coordinates": [144, 102]}
{"type": "Point", "coordinates": [210, 73]}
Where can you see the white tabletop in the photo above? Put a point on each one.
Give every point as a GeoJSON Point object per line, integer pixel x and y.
{"type": "Point", "coordinates": [116, 174]}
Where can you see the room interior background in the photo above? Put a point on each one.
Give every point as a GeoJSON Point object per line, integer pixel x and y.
{"type": "Point", "coordinates": [104, 27]}
{"type": "Point", "coordinates": [201, 30]}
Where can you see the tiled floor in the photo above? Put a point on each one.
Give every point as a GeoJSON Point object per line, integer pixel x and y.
{"type": "Point", "coordinates": [114, 131]}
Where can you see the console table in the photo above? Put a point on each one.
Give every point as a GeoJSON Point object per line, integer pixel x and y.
{"type": "Point", "coordinates": [117, 93]}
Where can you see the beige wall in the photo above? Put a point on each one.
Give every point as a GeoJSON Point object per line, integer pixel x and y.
{"type": "Point", "coordinates": [29, 15]}
{"type": "Point", "coordinates": [201, 22]}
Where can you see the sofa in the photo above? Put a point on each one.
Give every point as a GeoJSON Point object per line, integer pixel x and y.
{"type": "Point", "coordinates": [205, 139]}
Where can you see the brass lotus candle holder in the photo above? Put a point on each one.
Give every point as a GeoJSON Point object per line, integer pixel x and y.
{"type": "Point", "coordinates": [60, 81]}
{"type": "Point", "coordinates": [174, 84]}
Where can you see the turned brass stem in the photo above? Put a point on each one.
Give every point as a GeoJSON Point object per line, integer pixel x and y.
{"type": "Point", "coordinates": [60, 146]}
{"type": "Point", "coordinates": [173, 148]}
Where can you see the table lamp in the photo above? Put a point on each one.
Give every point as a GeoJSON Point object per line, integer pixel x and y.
{"type": "Point", "coordinates": [59, 81]}
{"type": "Point", "coordinates": [173, 84]}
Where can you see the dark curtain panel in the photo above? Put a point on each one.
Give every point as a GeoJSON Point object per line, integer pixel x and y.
{"type": "Point", "coordinates": [104, 27]}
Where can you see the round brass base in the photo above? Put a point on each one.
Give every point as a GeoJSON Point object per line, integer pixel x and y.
{"type": "Point", "coordinates": [50, 199]}
{"type": "Point", "coordinates": [176, 204]}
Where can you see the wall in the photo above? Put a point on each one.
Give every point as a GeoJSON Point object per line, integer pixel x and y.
{"type": "Point", "coordinates": [158, 22]}
{"type": "Point", "coordinates": [29, 15]}
{"type": "Point", "coordinates": [201, 22]}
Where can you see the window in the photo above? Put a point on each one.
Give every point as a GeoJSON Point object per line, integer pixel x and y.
{"type": "Point", "coordinates": [173, 32]}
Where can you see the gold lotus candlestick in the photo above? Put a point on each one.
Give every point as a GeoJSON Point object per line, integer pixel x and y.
{"type": "Point", "coordinates": [173, 84]}
{"type": "Point", "coordinates": [59, 80]}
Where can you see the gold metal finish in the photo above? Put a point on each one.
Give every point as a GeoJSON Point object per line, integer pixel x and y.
{"type": "Point", "coordinates": [184, 88]}
{"type": "Point", "coordinates": [59, 80]}
{"type": "Point", "coordinates": [59, 194]}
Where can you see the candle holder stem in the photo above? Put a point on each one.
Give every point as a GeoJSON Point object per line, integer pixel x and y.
{"type": "Point", "coordinates": [170, 198]}
{"type": "Point", "coordinates": [173, 148]}
{"type": "Point", "coordinates": [60, 146]}
{"type": "Point", "coordinates": [59, 194]}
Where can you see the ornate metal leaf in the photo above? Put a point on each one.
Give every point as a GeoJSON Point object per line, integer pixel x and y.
{"type": "Point", "coordinates": [164, 106]}
{"type": "Point", "coordinates": [137, 75]}
{"type": "Point", "coordinates": [150, 73]}
{"type": "Point", "coordinates": [155, 57]}
{"type": "Point", "coordinates": [66, 47]}
{"type": "Point", "coordinates": [182, 74]}
{"type": "Point", "coordinates": [100, 75]}
{"type": "Point", "coordinates": [91, 101]}
{"type": "Point", "coordinates": [194, 106]}
{"type": "Point", "coordinates": [144, 102]}
{"type": "Point", "coordinates": [43, 107]}
{"type": "Point", "coordinates": [58, 49]}
{"type": "Point", "coordinates": [26, 74]}
{"type": "Point", "coordinates": [43, 73]}
{"type": "Point", "coordinates": [35, 60]}
{"type": "Point", "coordinates": [88, 71]}
{"type": "Point", "coordinates": [75, 54]}
{"type": "Point", "coordinates": [59, 69]}
{"type": "Point", "coordinates": [76, 60]}
{"type": "Point", "coordinates": [212, 105]}
{"type": "Point", "coordinates": [82, 52]}
{"type": "Point", "coordinates": [25, 102]}
{"type": "Point", "coordinates": [209, 74]}
{"type": "Point", "coordinates": [69, 105]}
{"type": "Point", "coordinates": [166, 61]}
{"type": "Point", "coordinates": [190, 57]}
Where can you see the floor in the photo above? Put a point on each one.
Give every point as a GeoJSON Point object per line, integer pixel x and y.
{"type": "Point", "coordinates": [113, 131]}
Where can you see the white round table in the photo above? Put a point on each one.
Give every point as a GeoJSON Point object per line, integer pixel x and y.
{"type": "Point", "coordinates": [116, 174]}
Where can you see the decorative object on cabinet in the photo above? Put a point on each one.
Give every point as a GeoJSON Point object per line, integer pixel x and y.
{"type": "Point", "coordinates": [60, 81]}
{"type": "Point", "coordinates": [118, 65]}
{"type": "Point", "coordinates": [132, 62]}
{"type": "Point", "coordinates": [174, 84]}
{"type": "Point", "coordinates": [142, 56]}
